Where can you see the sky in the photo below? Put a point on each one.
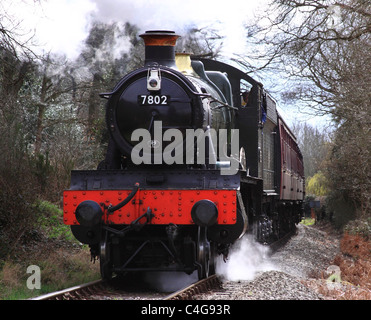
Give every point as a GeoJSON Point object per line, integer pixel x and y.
{"type": "Point", "coordinates": [61, 26]}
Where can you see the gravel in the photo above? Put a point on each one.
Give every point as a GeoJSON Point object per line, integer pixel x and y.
{"type": "Point", "coordinates": [308, 253]}
{"type": "Point", "coordinates": [270, 285]}
{"type": "Point", "coordinates": [252, 273]}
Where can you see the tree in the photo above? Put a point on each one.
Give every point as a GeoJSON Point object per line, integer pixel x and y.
{"type": "Point", "coordinates": [349, 168]}
{"type": "Point", "coordinates": [106, 56]}
{"type": "Point", "coordinates": [314, 146]}
{"type": "Point", "coordinates": [317, 185]}
{"type": "Point", "coordinates": [323, 48]}
{"type": "Point", "coordinates": [17, 187]}
{"type": "Point", "coordinates": [201, 42]}
{"type": "Point", "coordinates": [318, 45]}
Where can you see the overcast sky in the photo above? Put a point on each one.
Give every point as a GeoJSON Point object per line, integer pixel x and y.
{"type": "Point", "coordinates": [61, 25]}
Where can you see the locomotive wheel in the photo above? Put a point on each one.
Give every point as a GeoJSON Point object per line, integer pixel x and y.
{"type": "Point", "coordinates": [205, 261]}
{"type": "Point", "coordinates": [105, 258]}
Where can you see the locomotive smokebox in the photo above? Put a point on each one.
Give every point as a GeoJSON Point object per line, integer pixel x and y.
{"type": "Point", "coordinates": [160, 48]}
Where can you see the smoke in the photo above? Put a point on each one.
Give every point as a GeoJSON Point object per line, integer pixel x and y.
{"type": "Point", "coordinates": [226, 18]}
{"type": "Point", "coordinates": [169, 281]}
{"type": "Point", "coordinates": [151, 14]}
{"type": "Point", "coordinates": [112, 45]}
{"type": "Point", "coordinates": [61, 26]}
{"type": "Point", "coordinates": [246, 258]}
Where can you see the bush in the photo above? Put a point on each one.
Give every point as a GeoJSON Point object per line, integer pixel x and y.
{"type": "Point", "coordinates": [50, 220]}
{"type": "Point", "coordinates": [340, 207]}
{"type": "Point", "coordinates": [317, 185]}
{"type": "Point", "coordinates": [361, 227]}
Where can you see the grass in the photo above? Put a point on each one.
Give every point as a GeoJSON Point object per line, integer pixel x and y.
{"type": "Point", "coordinates": [63, 262]}
{"type": "Point", "coordinates": [62, 268]}
{"type": "Point", "coordinates": [50, 221]}
{"type": "Point", "coordinates": [308, 221]}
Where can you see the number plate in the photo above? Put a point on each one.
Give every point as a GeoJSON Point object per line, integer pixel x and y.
{"type": "Point", "coordinates": [153, 100]}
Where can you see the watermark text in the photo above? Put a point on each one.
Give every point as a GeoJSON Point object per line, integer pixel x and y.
{"type": "Point", "coordinates": [201, 147]}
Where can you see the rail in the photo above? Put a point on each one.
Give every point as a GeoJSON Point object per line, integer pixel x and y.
{"type": "Point", "coordinates": [201, 286]}
{"type": "Point", "coordinates": [72, 293]}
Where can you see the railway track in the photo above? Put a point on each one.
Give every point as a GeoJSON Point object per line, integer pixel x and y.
{"type": "Point", "coordinates": [103, 290]}
{"type": "Point", "coordinates": [127, 289]}
{"type": "Point", "coordinates": [201, 286]}
{"type": "Point", "coordinates": [74, 293]}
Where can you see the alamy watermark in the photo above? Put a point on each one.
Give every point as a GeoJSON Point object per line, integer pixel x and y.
{"type": "Point", "coordinates": [210, 147]}
{"type": "Point", "coordinates": [34, 280]}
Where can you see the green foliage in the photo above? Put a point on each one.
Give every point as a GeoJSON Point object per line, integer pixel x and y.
{"type": "Point", "coordinates": [317, 185]}
{"type": "Point", "coordinates": [59, 270]}
{"type": "Point", "coordinates": [50, 220]}
{"type": "Point", "coordinates": [340, 207]}
{"type": "Point", "coordinates": [308, 221]}
{"type": "Point", "coordinates": [349, 168]}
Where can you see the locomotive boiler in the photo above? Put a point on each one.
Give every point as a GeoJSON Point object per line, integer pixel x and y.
{"type": "Point", "coordinates": [197, 157]}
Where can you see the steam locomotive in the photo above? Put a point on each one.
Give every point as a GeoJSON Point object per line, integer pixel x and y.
{"type": "Point", "coordinates": [198, 156]}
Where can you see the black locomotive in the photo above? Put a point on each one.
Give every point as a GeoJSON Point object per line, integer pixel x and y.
{"type": "Point", "coordinates": [197, 157]}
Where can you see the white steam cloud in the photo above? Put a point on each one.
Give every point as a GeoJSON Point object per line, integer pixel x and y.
{"type": "Point", "coordinates": [60, 26]}
{"type": "Point", "coordinates": [228, 18]}
{"type": "Point", "coordinates": [246, 258]}
{"type": "Point", "coordinates": [169, 281]}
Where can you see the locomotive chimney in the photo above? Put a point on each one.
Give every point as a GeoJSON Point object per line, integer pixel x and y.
{"type": "Point", "coordinates": [160, 47]}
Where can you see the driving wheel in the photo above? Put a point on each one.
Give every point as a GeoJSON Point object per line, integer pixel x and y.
{"type": "Point", "coordinates": [203, 253]}
{"type": "Point", "coordinates": [105, 257]}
